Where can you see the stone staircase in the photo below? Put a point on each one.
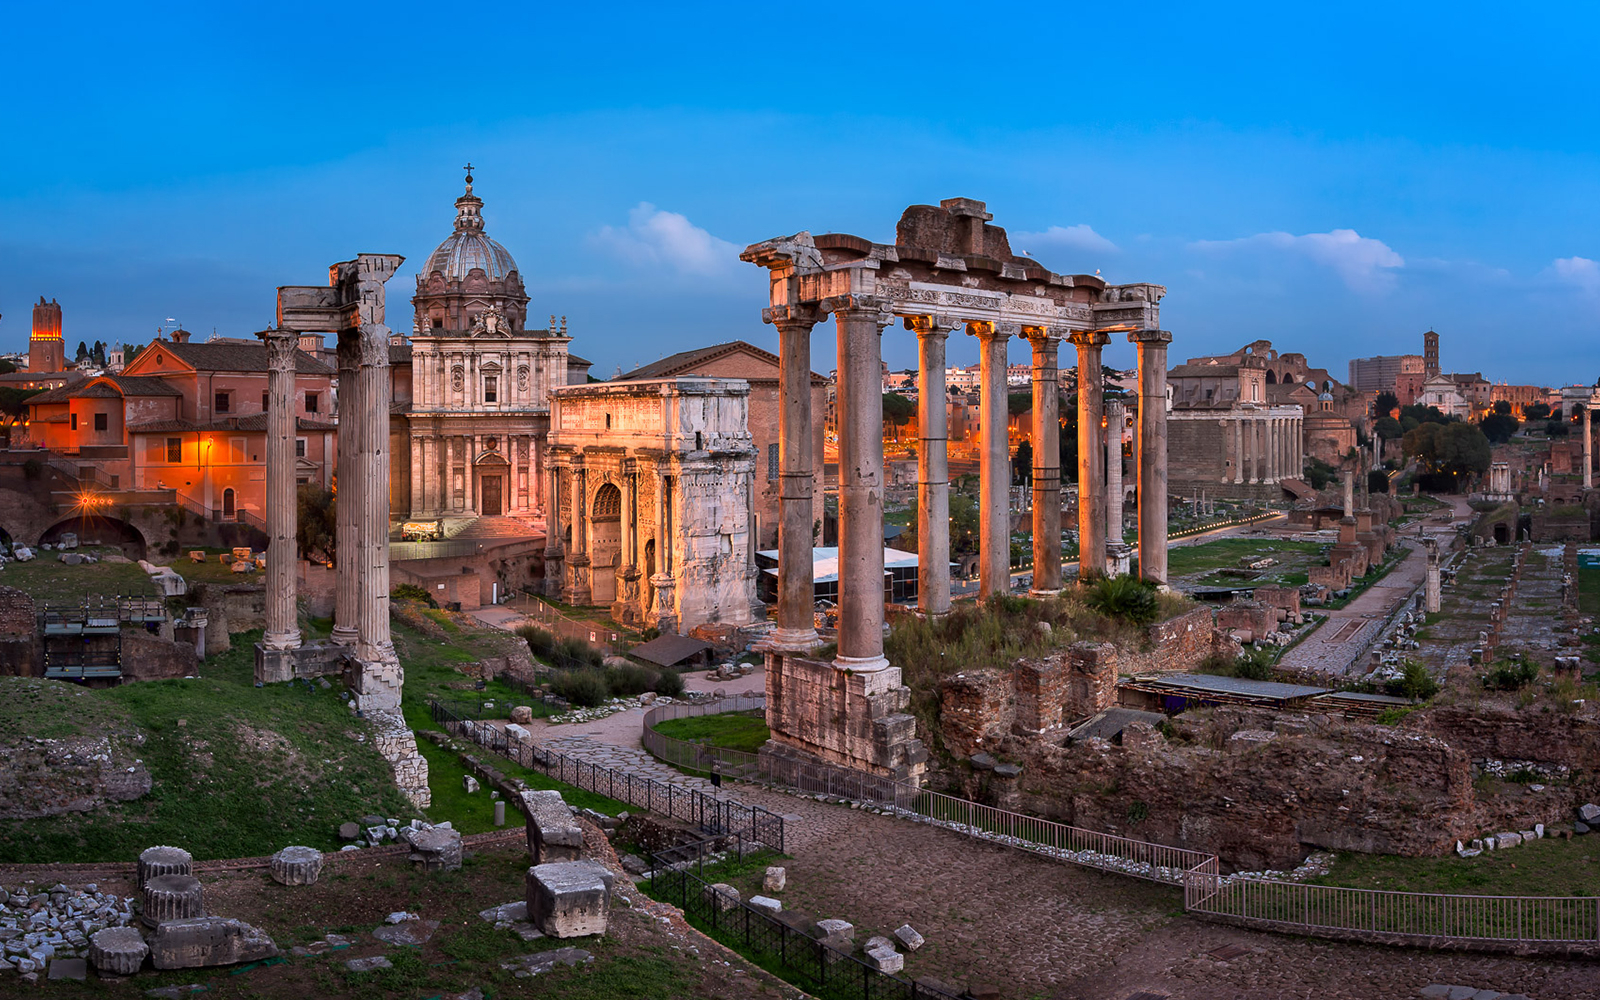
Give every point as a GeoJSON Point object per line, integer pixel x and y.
{"type": "Point", "coordinates": [495, 529]}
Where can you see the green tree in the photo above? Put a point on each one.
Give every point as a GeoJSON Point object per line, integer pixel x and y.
{"type": "Point", "coordinates": [83, 351]}
{"type": "Point", "coordinates": [1385, 404]}
{"type": "Point", "coordinates": [1388, 428]}
{"type": "Point", "coordinates": [1423, 414]}
{"type": "Point", "coordinates": [315, 531]}
{"type": "Point", "coordinates": [1536, 411]}
{"type": "Point", "coordinates": [1022, 462]}
{"type": "Point", "coordinates": [897, 411]}
{"type": "Point", "coordinates": [1498, 427]}
{"type": "Point", "coordinates": [1018, 403]}
{"type": "Point", "coordinates": [6, 367]}
{"type": "Point", "coordinates": [1502, 407]}
{"type": "Point", "coordinates": [1451, 452]}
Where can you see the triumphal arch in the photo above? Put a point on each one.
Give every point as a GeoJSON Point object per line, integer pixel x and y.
{"type": "Point", "coordinates": [948, 270]}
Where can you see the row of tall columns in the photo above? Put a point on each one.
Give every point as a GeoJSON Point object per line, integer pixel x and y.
{"type": "Point", "coordinates": [1046, 461]}
{"type": "Point", "coordinates": [436, 458]}
{"type": "Point", "coordinates": [1266, 449]}
{"type": "Point", "coordinates": [994, 469]}
{"type": "Point", "coordinates": [933, 468]}
{"type": "Point", "coordinates": [860, 320]}
{"type": "Point", "coordinates": [283, 630]}
{"type": "Point", "coordinates": [1091, 455]}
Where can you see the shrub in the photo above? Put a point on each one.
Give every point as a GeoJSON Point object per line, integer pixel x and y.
{"type": "Point", "coordinates": [630, 680]}
{"type": "Point", "coordinates": [1252, 664]}
{"type": "Point", "coordinates": [1125, 597]}
{"type": "Point", "coordinates": [412, 592]}
{"type": "Point", "coordinates": [587, 688]}
{"type": "Point", "coordinates": [1510, 675]}
{"type": "Point", "coordinates": [669, 683]}
{"type": "Point", "coordinates": [1414, 682]}
{"type": "Point", "coordinates": [1008, 604]}
{"type": "Point", "coordinates": [575, 653]}
{"type": "Point", "coordinates": [540, 642]}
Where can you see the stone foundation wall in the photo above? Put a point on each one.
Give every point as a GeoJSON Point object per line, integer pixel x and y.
{"type": "Point", "coordinates": [51, 777]}
{"type": "Point", "coordinates": [146, 657]}
{"type": "Point", "coordinates": [1251, 616]}
{"type": "Point", "coordinates": [1287, 598]}
{"type": "Point", "coordinates": [856, 720]}
{"type": "Point", "coordinates": [398, 745]}
{"type": "Point", "coordinates": [1177, 645]}
{"type": "Point", "coordinates": [240, 607]}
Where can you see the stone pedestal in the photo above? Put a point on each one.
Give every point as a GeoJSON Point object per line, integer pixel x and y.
{"type": "Point", "coordinates": [1091, 455]}
{"type": "Point", "coordinates": [171, 897]}
{"type": "Point", "coordinates": [437, 849]}
{"type": "Point", "coordinates": [296, 866]}
{"type": "Point", "coordinates": [569, 898]}
{"type": "Point", "coordinates": [857, 720]}
{"type": "Point", "coordinates": [1046, 461]}
{"type": "Point", "coordinates": [158, 861]}
{"type": "Point", "coordinates": [553, 834]}
{"type": "Point", "coordinates": [1152, 346]}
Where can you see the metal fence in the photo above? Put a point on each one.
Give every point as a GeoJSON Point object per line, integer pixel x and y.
{"type": "Point", "coordinates": [719, 817]}
{"type": "Point", "coordinates": [828, 972]}
{"type": "Point", "coordinates": [1104, 851]}
{"type": "Point", "coordinates": [1532, 923]}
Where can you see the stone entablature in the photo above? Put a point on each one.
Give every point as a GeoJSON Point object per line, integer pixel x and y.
{"type": "Point", "coordinates": [1238, 450]}
{"type": "Point", "coordinates": [654, 480]}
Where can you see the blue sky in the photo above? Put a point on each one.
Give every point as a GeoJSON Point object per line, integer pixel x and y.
{"type": "Point", "coordinates": [1336, 178]}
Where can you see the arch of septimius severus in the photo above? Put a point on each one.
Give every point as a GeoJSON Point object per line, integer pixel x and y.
{"type": "Point", "coordinates": [947, 270]}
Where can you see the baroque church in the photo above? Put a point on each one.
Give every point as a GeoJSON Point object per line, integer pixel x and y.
{"type": "Point", "coordinates": [471, 412]}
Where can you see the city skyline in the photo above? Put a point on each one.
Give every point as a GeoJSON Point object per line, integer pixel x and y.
{"type": "Point", "coordinates": [1338, 197]}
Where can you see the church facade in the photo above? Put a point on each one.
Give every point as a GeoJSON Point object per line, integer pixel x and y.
{"type": "Point", "coordinates": [472, 390]}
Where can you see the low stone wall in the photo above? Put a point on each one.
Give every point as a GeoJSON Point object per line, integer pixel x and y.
{"type": "Point", "coordinates": [397, 744]}
{"type": "Point", "coordinates": [146, 657]}
{"type": "Point", "coordinates": [1177, 645]}
{"type": "Point", "coordinates": [856, 720]}
{"type": "Point", "coordinates": [49, 777]}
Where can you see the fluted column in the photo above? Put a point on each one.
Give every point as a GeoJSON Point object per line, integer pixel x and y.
{"type": "Point", "coordinates": [578, 591]}
{"type": "Point", "coordinates": [797, 467]}
{"type": "Point", "coordinates": [1114, 416]}
{"type": "Point", "coordinates": [1588, 452]}
{"type": "Point", "coordinates": [1091, 455]}
{"type": "Point", "coordinates": [860, 320]}
{"type": "Point", "coordinates": [994, 469]}
{"type": "Point", "coordinates": [1238, 449]}
{"type": "Point", "coordinates": [380, 680]}
{"type": "Point", "coordinates": [553, 554]}
{"type": "Point", "coordinates": [1152, 346]}
{"type": "Point", "coordinates": [347, 512]}
{"type": "Point", "coordinates": [283, 555]}
{"type": "Point", "coordinates": [933, 466]}
{"type": "Point", "coordinates": [1046, 344]}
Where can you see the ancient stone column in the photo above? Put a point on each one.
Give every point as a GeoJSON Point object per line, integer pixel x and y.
{"type": "Point", "coordinates": [1152, 346]}
{"type": "Point", "coordinates": [172, 897]}
{"type": "Point", "coordinates": [157, 861]}
{"type": "Point", "coordinates": [1046, 461]}
{"type": "Point", "coordinates": [347, 512]}
{"type": "Point", "coordinates": [578, 552]}
{"type": "Point", "coordinates": [283, 631]}
{"type": "Point", "coordinates": [933, 469]}
{"type": "Point", "coordinates": [1349, 493]}
{"type": "Point", "coordinates": [1588, 452]}
{"type": "Point", "coordinates": [554, 571]}
{"type": "Point", "coordinates": [295, 866]}
{"type": "Point", "coordinates": [994, 468]}
{"type": "Point", "coordinates": [860, 320]}
{"type": "Point", "coordinates": [1091, 455]}
{"type": "Point", "coordinates": [379, 675]}
{"type": "Point", "coordinates": [796, 631]}
{"type": "Point", "coordinates": [1238, 450]}
{"type": "Point", "coordinates": [1113, 473]}
{"type": "Point", "coordinates": [1430, 592]}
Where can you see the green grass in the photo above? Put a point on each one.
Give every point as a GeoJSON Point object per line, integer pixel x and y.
{"type": "Point", "coordinates": [213, 570]}
{"type": "Point", "coordinates": [48, 580]}
{"type": "Point", "coordinates": [238, 771]}
{"type": "Point", "coordinates": [1227, 553]}
{"type": "Point", "coordinates": [433, 670]}
{"type": "Point", "coordinates": [745, 731]}
{"type": "Point", "coordinates": [1589, 590]}
{"type": "Point", "coordinates": [1548, 867]}
{"type": "Point", "coordinates": [475, 813]}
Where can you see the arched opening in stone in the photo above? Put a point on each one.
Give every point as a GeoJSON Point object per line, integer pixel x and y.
{"type": "Point", "coordinates": [229, 508]}
{"type": "Point", "coordinates": [605, 542]}
{"type": "Point", "coordinates": [94, 529]}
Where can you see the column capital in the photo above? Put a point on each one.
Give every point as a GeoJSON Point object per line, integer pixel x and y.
{"type": "Point", "coordinates": [931, 325]}
{"type": "Point", "coordinates": [805, 314]}
{"type": "Point", "coordinates": [1089, 338]}
{"type": "Point", "coordinates": [1154, 338]}
{"type": "Point", "coordinates": [281, 348]}
{"type": "Point", "coordinates": [875, 307]}
{"type": "Point", "coordinates": [989, 330]}
{"type": "Point", "coordinates": [1042, 337]}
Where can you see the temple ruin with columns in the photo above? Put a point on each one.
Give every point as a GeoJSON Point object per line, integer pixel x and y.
{"type": "Point", "coordinates": [947, 270]}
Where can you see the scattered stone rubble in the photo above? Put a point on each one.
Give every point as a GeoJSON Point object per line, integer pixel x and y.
{"type": "Point", "coordinates": [38, 925]}
{"type": "Point", "coordinates": [1440, 992]}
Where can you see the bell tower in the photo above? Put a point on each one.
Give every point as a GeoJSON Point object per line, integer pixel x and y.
{"type": "Point", "coordinates": [46, 351]}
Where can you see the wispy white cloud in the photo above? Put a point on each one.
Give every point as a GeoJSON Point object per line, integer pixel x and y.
{"type": "Point", "coordinates": [1365, 264]}
{"type": "Point", "coordinates": [659, 238]}
{"type": "Point", "coordinates": [1579, 272]}
{"type": "Point", "coordinates": [1079, 237]}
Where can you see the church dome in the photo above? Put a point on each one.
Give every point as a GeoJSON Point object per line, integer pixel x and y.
{"type": "Point", "coordinates": [468, 247]}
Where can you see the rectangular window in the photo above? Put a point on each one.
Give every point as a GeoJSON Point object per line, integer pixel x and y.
{"type": "Point", "coordinates": [220, 403]}
{"type": "Point", "coordinates": [175, 450]}
{"type": "Point", "coordinates": [299, 447]}
{"type": "Point", "coordinates": [265, 403]}
{"type": "Point", "coordinates": [490, 389]}
{"type": "Point", "coordinates": [313, 401]}
{"type": "Point", "coordinates": [236, 451]}
{"type": "Point", "coordinates": [772, 462]}
{"type": "Point", "coordinates": [99, 421]}
{"type": "Point", "coordinates": [116, 482]}
{"type": "Point", "coordinates": [74, 421]}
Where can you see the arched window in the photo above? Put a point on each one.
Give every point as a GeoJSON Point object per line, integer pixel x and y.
{"type": "Point", "coordinates": [227, 502]}
{"type": "Point", "coordinates": [1271, 378]}
{"type": "Point", "coordinates": [607, 504]}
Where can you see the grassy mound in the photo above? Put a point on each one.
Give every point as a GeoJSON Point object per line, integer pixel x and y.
{"type": "Point", "coordinates": [744, 731]}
